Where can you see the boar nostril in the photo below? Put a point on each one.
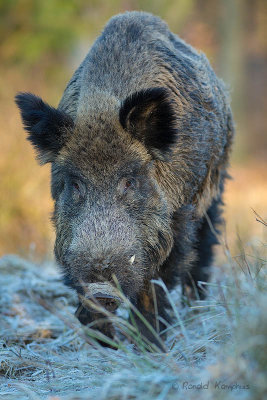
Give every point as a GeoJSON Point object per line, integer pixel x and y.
{"type": "Point", "coordinates": [108, 302]}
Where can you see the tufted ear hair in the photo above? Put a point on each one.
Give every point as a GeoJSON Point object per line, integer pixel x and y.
{"type": "Point", "coordinates": [149, 116]}
{"type": "Point", "coordinates": [46, 125]}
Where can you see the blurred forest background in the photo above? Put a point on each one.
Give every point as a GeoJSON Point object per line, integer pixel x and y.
{"type": "Point", "coordinates": [42, 42]}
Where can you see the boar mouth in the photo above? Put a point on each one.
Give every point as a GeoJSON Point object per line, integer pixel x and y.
{"type": "Point", "coordinates": [100, 295]}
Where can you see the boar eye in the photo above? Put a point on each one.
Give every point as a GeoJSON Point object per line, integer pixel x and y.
{"type": "Point", "coordinates": [125, 184]}
{"type": "Point", "coordinates": [78, 189]}
{"type": "Point", "coordinates": [128, 183]}
{"type": "Point", "coordinates": [76, 186]}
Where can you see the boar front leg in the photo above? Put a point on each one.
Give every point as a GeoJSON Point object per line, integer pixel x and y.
{"type": "Point", "coordinates": [86, 317]}
{"type": "Point", "coordinates": [152, 305]}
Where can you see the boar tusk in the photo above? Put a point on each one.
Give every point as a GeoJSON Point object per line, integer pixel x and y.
{"type": "Point", "coordinates": [132, 259]}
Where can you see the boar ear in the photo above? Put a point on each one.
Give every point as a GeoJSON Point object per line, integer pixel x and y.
{"type": "Point", "coordinates": [149, 115]}
{"type": "Point", "coordinates": [46, 125]}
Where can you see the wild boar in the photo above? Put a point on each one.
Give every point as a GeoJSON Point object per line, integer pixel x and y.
{"type": "Point", "coordinates": [139, 148]}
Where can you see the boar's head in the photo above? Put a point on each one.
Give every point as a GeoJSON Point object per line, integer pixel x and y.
{"type": "Point", "coordinates": [112, 217]}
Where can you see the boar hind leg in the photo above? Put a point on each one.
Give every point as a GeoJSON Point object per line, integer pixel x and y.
{"type": "Point", "coordinates": [206, 238]}
{"type": "Point", "coordinates": [86, 318]}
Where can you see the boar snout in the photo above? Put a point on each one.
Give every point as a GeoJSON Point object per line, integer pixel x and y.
{"type": "Point", "coordinates": [100, 294]}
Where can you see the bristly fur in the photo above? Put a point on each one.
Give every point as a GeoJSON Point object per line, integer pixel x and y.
{"type": "Point", "coordinates": [150, 148]}
{"type": "Point", "coordinates": [150, 117]}
{"type": "Point", "coordinates": [44, 124]}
